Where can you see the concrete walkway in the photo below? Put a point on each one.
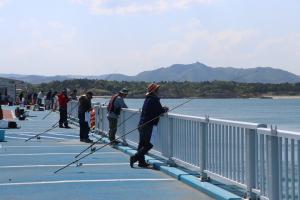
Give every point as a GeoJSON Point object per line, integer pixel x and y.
{"type": "Point", "coordinates": [26, 168]}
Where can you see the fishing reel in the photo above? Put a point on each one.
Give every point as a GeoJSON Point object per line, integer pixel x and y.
{"type": "Point", "coordinates": [93, 149]}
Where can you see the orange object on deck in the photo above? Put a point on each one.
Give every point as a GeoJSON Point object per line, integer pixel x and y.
{"type": "Point", "coordinates": [93, 114]}
{"type": "Point", "coordinates": [8, 115]}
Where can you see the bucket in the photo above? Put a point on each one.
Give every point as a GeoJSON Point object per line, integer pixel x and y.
{"type": "Point", "coordinates": [2, 135]}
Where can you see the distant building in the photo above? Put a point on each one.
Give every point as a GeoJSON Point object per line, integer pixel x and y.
{"type": "Point", "coordinates": [7, 91]}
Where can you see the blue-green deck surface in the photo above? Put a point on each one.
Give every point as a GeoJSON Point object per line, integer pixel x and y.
{"type": "Point", "coordinates": [27, 169]}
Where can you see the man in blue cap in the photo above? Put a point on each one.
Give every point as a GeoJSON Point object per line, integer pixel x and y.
{"type": "Point", "coordinates": [114, 107]}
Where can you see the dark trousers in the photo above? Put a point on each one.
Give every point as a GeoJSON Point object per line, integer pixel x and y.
{"type": "Point", "coordinates": [113, 124]}
{"type": "Point", "coordinates": [84, 130]}
{"type": "Point", "coordinates": [63, 118]}
{"type": "Point", "coordinates": [144, 142]}
{"type": "Point", "coordinates": [84, 127]}
{"type": "Point", "coordinates": [39, 102]}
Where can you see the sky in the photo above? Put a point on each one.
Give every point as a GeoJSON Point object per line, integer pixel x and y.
{"type": "Point", "coordinates": [95, 37]}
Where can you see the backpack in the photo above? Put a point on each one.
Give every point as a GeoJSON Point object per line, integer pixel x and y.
{"type": "Point", "coordinates": [111, 107]}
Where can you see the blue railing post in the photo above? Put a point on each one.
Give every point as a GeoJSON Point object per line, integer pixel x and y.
{"type": "Point", "coordinates": [203, 148]}
{"type": "Point", "coordinates": [273, 163]}
{"type": "Point", "coordinates": [250, 162]}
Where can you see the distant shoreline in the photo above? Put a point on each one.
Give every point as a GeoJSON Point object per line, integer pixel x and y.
{"type": "Point", "coordinates": [281, 97]}
{"type": "Point", "coordinates": [262, 97]}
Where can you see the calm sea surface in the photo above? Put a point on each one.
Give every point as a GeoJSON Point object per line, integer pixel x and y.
{"type": "Point", "coordinates": [285, 113]}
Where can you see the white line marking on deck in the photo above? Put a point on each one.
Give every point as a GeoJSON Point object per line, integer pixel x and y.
{"type": "Point", "coordinates": [51, 154]}
{"type": "Point", "coordinates": [50, 133]}
{"type": "Point", "coordinates": [18, 138]}
{"type": "Point", "coordinates": [61, 134]}
{"type": "Point", "coordinates": [88, 181]}
{"type": "Point", "coordinates": [34, 166]}
{"type": "Point", "coordinates": [42, 136]}
{"type": "Point", "coordinates": [71, 145]}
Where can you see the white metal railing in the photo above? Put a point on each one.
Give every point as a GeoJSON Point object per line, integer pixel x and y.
{"type": "Point", "coordinates": [72, 110]}
{"type": "Point", "coordinates": [264, 162]}
{"type": "Point", "coordinates": [278, 163]}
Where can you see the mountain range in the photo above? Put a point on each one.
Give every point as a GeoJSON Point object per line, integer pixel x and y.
{"type": "Point", "coordinates": [196, 72]}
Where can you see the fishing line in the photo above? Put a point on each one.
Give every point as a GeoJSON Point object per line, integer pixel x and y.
{"type": "Point", "coordinates": [76, 161]}
{"type": "Point", "coordinates": [49, 129]}
{"type": "Point", "coordinates": [104, 135]}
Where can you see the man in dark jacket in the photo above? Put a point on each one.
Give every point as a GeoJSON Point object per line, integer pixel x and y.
{"type": "Point", "coordinates": [152, 109]}
{"type": "Point", "coordinates": [84, 108]}
{"type": "Point", "coordinates": [63, 101]}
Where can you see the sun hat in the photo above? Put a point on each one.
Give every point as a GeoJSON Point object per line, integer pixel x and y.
{"type": "Point", "coordinates": [90, 93]}
{"type": "Point", "coordinates": [123, 91]}
{"type": "Point", "coordinates": [152, 88]}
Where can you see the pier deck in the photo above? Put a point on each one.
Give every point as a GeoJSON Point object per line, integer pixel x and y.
{"type": "Point", "coordinates": [27, 168]}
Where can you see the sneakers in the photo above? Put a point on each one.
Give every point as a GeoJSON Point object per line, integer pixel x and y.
{"type": "Point", "coordinates": [143, 164]}
{"type": "Point", "coordinates": [61, 126]}
{"type": "Point", "coordinates": [114, 142]}
{"type": "Point", "coordinates": [86, 140]}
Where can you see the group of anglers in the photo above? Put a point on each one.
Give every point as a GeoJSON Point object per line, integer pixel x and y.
{"type": "Point", "coordinates": [151, 111]}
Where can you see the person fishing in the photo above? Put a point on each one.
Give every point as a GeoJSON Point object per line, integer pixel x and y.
{"type": "Point", "coordinates": [166, 109]}
{"type": "Point", "coordinates": [114, 107]}
{"type": "Point", "coordinates": [63, 107]}
{"type": "Point", "coordinates": [151, 111]}
{"type": "Point", "coordinates": [84, 108]}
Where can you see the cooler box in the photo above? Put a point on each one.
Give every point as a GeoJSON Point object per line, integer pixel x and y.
{"type": "Point", "coordinates": [2, 135]}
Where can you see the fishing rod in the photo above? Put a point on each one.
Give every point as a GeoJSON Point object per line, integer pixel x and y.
{"type": "Point", "coordinates": [98, 140]}
{"type": "Point", "coordinates": [49, 129]}
{"type": "Point", "coordinates": [38, 135]}
{"type": "Point", "coordinates": [76, 161]}
{"type": "Point", "coordinates": [47, 114]}
{"type": "Point", "coordinates": [104, 136]}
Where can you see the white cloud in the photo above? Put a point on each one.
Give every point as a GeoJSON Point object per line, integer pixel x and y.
{"type": "Point", "coordinates": [280, 51]}
{"type": "Point", "coordinates": [3, 2]}
{"type": "Point", "coordinates": [41, 47]}
{"type": "Point", "coordinates": [48, 34]}
{"type": "Point", "coordinates": [56, 24]}
{"type": "Point", "coordinates": [236, 48]}
{"type": "Point", "coordinates": [109, 7]}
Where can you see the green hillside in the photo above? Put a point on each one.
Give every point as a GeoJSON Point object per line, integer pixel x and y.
{"type": "Point", "coordinates": [213, 89]}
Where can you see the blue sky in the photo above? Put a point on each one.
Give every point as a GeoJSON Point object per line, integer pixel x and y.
{"type": "Point", "coordinates": [93, 37]}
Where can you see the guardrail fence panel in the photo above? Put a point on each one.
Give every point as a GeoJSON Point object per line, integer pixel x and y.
{"type": "Point", "coordinates": [264, 162]}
